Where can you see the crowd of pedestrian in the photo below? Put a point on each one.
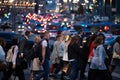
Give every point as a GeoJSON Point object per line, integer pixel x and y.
{"type": "Point", "coordinates": [69, 55]}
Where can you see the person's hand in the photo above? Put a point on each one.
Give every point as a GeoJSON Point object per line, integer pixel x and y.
{"type": "Point", "coordinates": [42, 61]}
{"type": "Point", "coordinates": [21, 55]}
{"type": "Point", "coordinates": [14, 66]}
{"type": "Point", "coordinates": [108, 47]}
{"type": "Point", "coordinates": [100, 64]}
{"type": "Point", "coordinates": [81, 46]}
{"type": "Point", "coordinates": [90, 58]}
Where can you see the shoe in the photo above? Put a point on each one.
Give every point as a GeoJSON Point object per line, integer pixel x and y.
{"type": "Point", "coordinates": [52, 75]}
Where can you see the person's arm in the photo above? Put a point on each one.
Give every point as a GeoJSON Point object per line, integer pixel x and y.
{"type": "Point", "coordinates": [117, 48]}
{"type": "Point", "coordinates": [101, 55]}
{"type": "Point", "coordinates": [2, 54]}
{"type": "Point", "coordinates": [15, 51]}
{"type": "Point", "coordinates": [44, 45]}
{"type": "Point", "coordinates": [22, 45]}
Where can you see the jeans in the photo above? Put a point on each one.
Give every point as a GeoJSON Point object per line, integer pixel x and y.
{"type": "Point", "coordinates": [74, 70]}
{"type": "Point", "coordinates": [45, 73]}
{"type": "Point", "coordinates": [59, 66]}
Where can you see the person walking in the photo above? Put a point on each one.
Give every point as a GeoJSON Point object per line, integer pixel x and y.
{"type": "Point", "coordinates": [83, 54]}
{"type": "Point", "coordinates": [3, 64]}
{"type": "Point", "coordinates": [116, 55]}
{"type": "Point", "coordinates": [98, 66]}
{"type": "Point", "coordinates": [13, 67]}
{"type": "Point", "coordinates": [73, 53]}
{"type": "Point", "coordinates": [55, 59]}
{"type": "Point", "coordinates": [45, 56]}
{"type": "Point", "coordinates": [23, 45]}
{"type": "Point", "coordinates": [36, 57]}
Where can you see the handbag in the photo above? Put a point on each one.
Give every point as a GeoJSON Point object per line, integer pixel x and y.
{"type": "Point", "coordinates": [21, 62]}
{"type": "Point", "coordinates": [116, 55]}
{"type": "Point", "coordinates": [66, 68]}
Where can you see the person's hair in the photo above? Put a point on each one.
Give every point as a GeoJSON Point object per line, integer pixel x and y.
{"type": "Point", "coordinates": [74, 40]}
{"type": "Point", "coordinates": [97, 41]}
{"type": "Point", "coordinates": [59, 32]}
{"type": "Point", "coordinates": [91, 39]}
{"type": "Point", "coordinates": [2, 42]}
{"type": "Point", "coordinates": [80, 31]}
{"type": "Point", "coordinates": [57, 37]}
{"type": "Point", "coordinates": [15, 41]}
{"type": "Point", "coordinates": [38, 38]}
{"type": "Point", "coordinates": [27, 33]}
{"type": "Point", "coordinates": [46, 33]}
{"type": "Point", "coordinates": [117, 39]}
{"type": "Point", "coordinates": [101, 35]}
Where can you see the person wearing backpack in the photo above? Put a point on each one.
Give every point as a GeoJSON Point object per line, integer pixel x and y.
{"type": "Point", "coordinates": [11, 58]}
{"type": "Point", "coordinates": [36, 57]}
{"type": "Point", "coordinates": [45, 56]}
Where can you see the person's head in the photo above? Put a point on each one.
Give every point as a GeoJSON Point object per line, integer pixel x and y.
{"type": "Point", "coordinates": [27, 33]}
{"type": "Point", "coordinates": [59, 32]}
{"type": "Point", "coordinates": [37, 39]}
{"type": "Point", "coordinates": [2, 42]}
{"type": "Point", "coordinates": [102, 36]}
{"type": "Point", "coordinates": [58, 37]}
{"type": "Point", "coordinates": [98, 41]}
{"type": "Point", "coordinates": [80, 32]}
{"type": "Point", "coordinates": [46, 35]}
{"type": "Point", "coordinates": [15, 41]}
{"type": "Point", "coordinates": [91, 39]}
{"type": "Point", "coordinates": [74, 40]}
{"type": "Point", "coordinates": [117, 40]}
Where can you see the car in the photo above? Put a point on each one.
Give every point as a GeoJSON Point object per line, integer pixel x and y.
{"type": "Point", "coordinates": [86, 33]}
{"type": "Point", "coordinates": [109, 40]}
{"type": "Point", "coordinates": [53, 33]}
{"type": "Point", "coordinates": [39, 30]}
{"type": "Point", "coordinates": [8, 36]}
{"type": "Point", "coordinates": [73, 31]}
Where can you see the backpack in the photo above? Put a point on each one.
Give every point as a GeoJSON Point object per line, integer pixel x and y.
{"type": "Point", "coordinates": [10, 54]}
{"type": "Point", "coordinates": [37, 51]}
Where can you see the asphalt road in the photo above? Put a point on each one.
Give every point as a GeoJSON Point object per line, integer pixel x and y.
{"type": "Point", "coordinates": [115, 75]}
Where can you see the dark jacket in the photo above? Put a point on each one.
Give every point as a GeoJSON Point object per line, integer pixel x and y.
{"type": "Point", "coordinates": [73, 51]}
{"type": "Point", "coordinates": [47, 56]}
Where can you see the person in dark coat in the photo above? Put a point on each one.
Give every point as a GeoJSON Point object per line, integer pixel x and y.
{"type": "Point", "coordinates": [73, 53]}
{"type": "Point", "coordinates": [83, 54]}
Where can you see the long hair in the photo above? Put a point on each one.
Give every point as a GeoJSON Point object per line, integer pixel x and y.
{"type": "Point", "coordinates": [117, 40]}
{"type": "Point", "coordinates": [2, 42]}
{"type": "Point", "coordinates": [98, 41]}
{"type": "Point", "coordinates": [74, 40]}
{"type": "Point", "coordinates": [91, 39]}
{"type": "Point", "coordinates": [15, 41]}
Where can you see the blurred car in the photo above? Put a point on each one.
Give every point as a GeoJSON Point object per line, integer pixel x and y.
{"type": "Point", "coordinates": [109, 39]}
{"type": "Point", "coordinates": [39, 30]}
{"type": "Point", "coordinates": [86, 33]}
{"type": "Point", "coordinates": [53, 33]}
{"type": "Point", "coordinates": [73, 31]}
{"type": "Point", "coordinates": [8, 36]}
{"type": "Point", "coordinates": [117, 32]}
